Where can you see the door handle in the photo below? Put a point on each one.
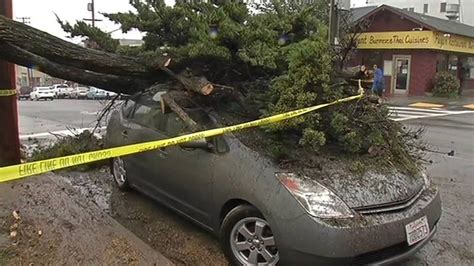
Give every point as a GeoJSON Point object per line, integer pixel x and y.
{"type": "Point", "coordinates": [125, 134]}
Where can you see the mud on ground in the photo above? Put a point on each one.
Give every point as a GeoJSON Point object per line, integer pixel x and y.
{"type": "Point", "coordinates": [176, 238]}
{"type": "Point", "coordinates": [43, 221]}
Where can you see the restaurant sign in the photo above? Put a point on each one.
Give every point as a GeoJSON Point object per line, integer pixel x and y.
{"type": "Point", "coordinates": [415, 40]}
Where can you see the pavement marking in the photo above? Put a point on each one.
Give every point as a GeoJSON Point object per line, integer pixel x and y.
{"type": "Point", "coordinates": [89, 113]}
{"type": "Point", "coordinates": [470, 106]}
{"type": "Point", "coordinates": [426, 105]}
{"type": "Point", "coordinates": [66, 132]}
{"type": "Point", "coordinates": [408, 113]}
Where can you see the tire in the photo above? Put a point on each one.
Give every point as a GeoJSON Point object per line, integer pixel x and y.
{"type": "Point", "coordinates": [121, 179]}
{"type": "Point", "coordinates": [255, 245]}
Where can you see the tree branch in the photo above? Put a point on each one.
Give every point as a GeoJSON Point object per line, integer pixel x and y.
{"type": "Point", "coordinates": [170, 102]}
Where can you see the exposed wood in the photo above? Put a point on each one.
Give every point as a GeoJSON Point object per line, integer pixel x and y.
{"type": "Point", "coordinates": [170, 102]}
{"type": "Point", "coordinates": [195, 84]}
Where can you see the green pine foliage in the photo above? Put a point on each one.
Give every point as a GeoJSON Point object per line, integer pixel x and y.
{"type": "Point", "coordinates": [276, 54]}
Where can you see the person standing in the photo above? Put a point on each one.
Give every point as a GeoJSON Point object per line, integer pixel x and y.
{"type": "Point", "coordinates": [378, 85]}
{"type": "Point", "coordinates": [363, 73]}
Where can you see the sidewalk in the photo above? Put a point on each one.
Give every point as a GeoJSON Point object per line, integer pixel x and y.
{"type": "Point", "coordinates": [54, 226]}
{"type": "Point", "coordinates": [462, 103]}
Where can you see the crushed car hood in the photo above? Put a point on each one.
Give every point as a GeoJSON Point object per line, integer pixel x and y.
{"type": "Point", "coordinates": [373, 189]}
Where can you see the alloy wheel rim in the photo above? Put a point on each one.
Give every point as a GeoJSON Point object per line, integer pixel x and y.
{"type": "Point", "coordinates": [119, 171]}
{"type": "Point", "coordinates": [252, 242]}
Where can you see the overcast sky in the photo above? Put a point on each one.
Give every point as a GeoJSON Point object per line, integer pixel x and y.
{"type": "Point", "coordinates": [42, 16]}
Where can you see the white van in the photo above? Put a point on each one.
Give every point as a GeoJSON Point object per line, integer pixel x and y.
{"type": "Point", "coordinates": [61, 91]}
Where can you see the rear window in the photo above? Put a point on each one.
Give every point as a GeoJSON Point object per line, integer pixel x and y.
{"type": "Point", "coordinates": [44, 89]}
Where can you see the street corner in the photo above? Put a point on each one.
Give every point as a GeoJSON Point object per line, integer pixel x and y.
{"type": "Point", "coordinates": [427, 105]}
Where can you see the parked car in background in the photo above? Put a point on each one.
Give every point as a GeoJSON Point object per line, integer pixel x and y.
{"type": "Point", "coordinates": [96, 93]}
{"type": "Point", "coordinates": [24, 93]}
{"type": "Point", "coordinates": [80, 93]}
{"type": "Point", "coordinates": [61, 91]}
{"type": "Point", "coordinates": [45, 93]}
{"type": "Point", "coordinates": [265, 214]}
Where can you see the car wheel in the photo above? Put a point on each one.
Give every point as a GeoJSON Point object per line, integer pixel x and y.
{"type": "Point", "coordinates": [247, 238]}
{"type": "Point", "coordinates": [120, 173]}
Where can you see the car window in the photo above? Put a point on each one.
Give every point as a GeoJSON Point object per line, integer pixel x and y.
{"type": "Point", "coordinates": [147, 112]}
{"type": "Point", "coordinates": [127, 108]}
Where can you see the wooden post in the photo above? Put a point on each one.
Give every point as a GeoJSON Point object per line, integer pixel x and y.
{"type": "Point", "coordinates": [9, 135]}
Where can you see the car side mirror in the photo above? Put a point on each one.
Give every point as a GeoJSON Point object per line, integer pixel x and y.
{"type": "Point", "coordinates": [198, 144]}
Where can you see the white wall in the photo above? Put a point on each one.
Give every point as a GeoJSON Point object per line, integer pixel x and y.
{"type": "Point", "coordinates": [434, 6]}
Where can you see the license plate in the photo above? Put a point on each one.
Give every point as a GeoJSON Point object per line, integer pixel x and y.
{"type": "Point", "coordinates": [417, 230]}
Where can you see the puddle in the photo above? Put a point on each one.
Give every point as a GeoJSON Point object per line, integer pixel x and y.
{"type": "Point", "coordinates": [93, 185]}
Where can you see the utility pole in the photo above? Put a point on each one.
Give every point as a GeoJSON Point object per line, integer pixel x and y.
{"type": "Point", "coordinates": [332, 31]}
{"type": "Point", "coordinates": [29, 71]}
{"type": "Point", "coordinates": [24, 20]}
{"type": "Point", "coordinates": [9, 135]}
{"type": "Point", "coordinates": [91, 8]}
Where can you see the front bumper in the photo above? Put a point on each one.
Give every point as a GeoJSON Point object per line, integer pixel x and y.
{"type": "Point", "coordinates": [46, 96]}
{"type": "Point", "coordinates": [366, 239]}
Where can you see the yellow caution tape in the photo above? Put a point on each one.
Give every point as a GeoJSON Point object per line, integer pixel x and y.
{"type": "Point", "coordinates": [5, 92]}
{"type": "Point", "coordinates": [19, 171]}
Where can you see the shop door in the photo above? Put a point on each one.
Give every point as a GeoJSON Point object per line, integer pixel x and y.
{"type": "Point", "coordinates": [401, 77]}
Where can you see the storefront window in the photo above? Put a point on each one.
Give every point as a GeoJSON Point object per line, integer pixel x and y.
{"type": "Point", "coordinates": [441, 62]}
{"type": "Point", "coordinates": [470, 67]}
{"type": "Point", "coordinates": [453, 64]}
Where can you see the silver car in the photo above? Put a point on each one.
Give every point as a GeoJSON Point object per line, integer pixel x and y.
{"type": "Point", "coordinates": [262, 213]}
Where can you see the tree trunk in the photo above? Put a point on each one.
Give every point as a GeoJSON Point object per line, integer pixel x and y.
{"type": "Point", "coordinates": [119, 84]}
{"type": "Point", "coordinates": [27, 46]}
{"type": "Point", "coordinates": [69, 54]}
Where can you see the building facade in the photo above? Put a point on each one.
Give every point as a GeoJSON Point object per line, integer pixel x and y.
{"type": "Point", "coordinates": [29, 77]}
{"type": "Point", "coordinates": [462, 9]}
{"type": "Point", "coordinates": [411, 48]}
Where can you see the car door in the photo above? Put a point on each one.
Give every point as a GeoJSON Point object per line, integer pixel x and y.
{"type": "Point", "coordinates": [178, 177]}
{"type": "Point", "coordinates": [144, 123]}
{"type": "Point", "coordinates": [187, 178]}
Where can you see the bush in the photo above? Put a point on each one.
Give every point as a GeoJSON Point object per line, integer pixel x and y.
{"type": "Point", "coordinates": [70, 145]}
{"type": "Point", "coordinates": [446, 85]}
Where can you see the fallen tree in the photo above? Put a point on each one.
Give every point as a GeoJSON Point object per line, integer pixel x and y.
{"type": "Point", "coordinates": [225, 56]}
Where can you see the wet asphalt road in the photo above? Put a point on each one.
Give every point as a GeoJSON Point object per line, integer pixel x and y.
{"type": "Point", "coordinates": [454, 242]}
{"type": "Point", "coordinates": [187, 244]}
{"type": "Point", "coordinates": [45, 116]}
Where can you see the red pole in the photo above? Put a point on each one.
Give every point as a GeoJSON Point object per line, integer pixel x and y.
{"type": "Point", "coordinates": [9, 138]}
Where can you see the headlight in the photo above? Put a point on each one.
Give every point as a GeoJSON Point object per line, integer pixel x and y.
{"type": "Point", "coordinates": [315, 198]}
